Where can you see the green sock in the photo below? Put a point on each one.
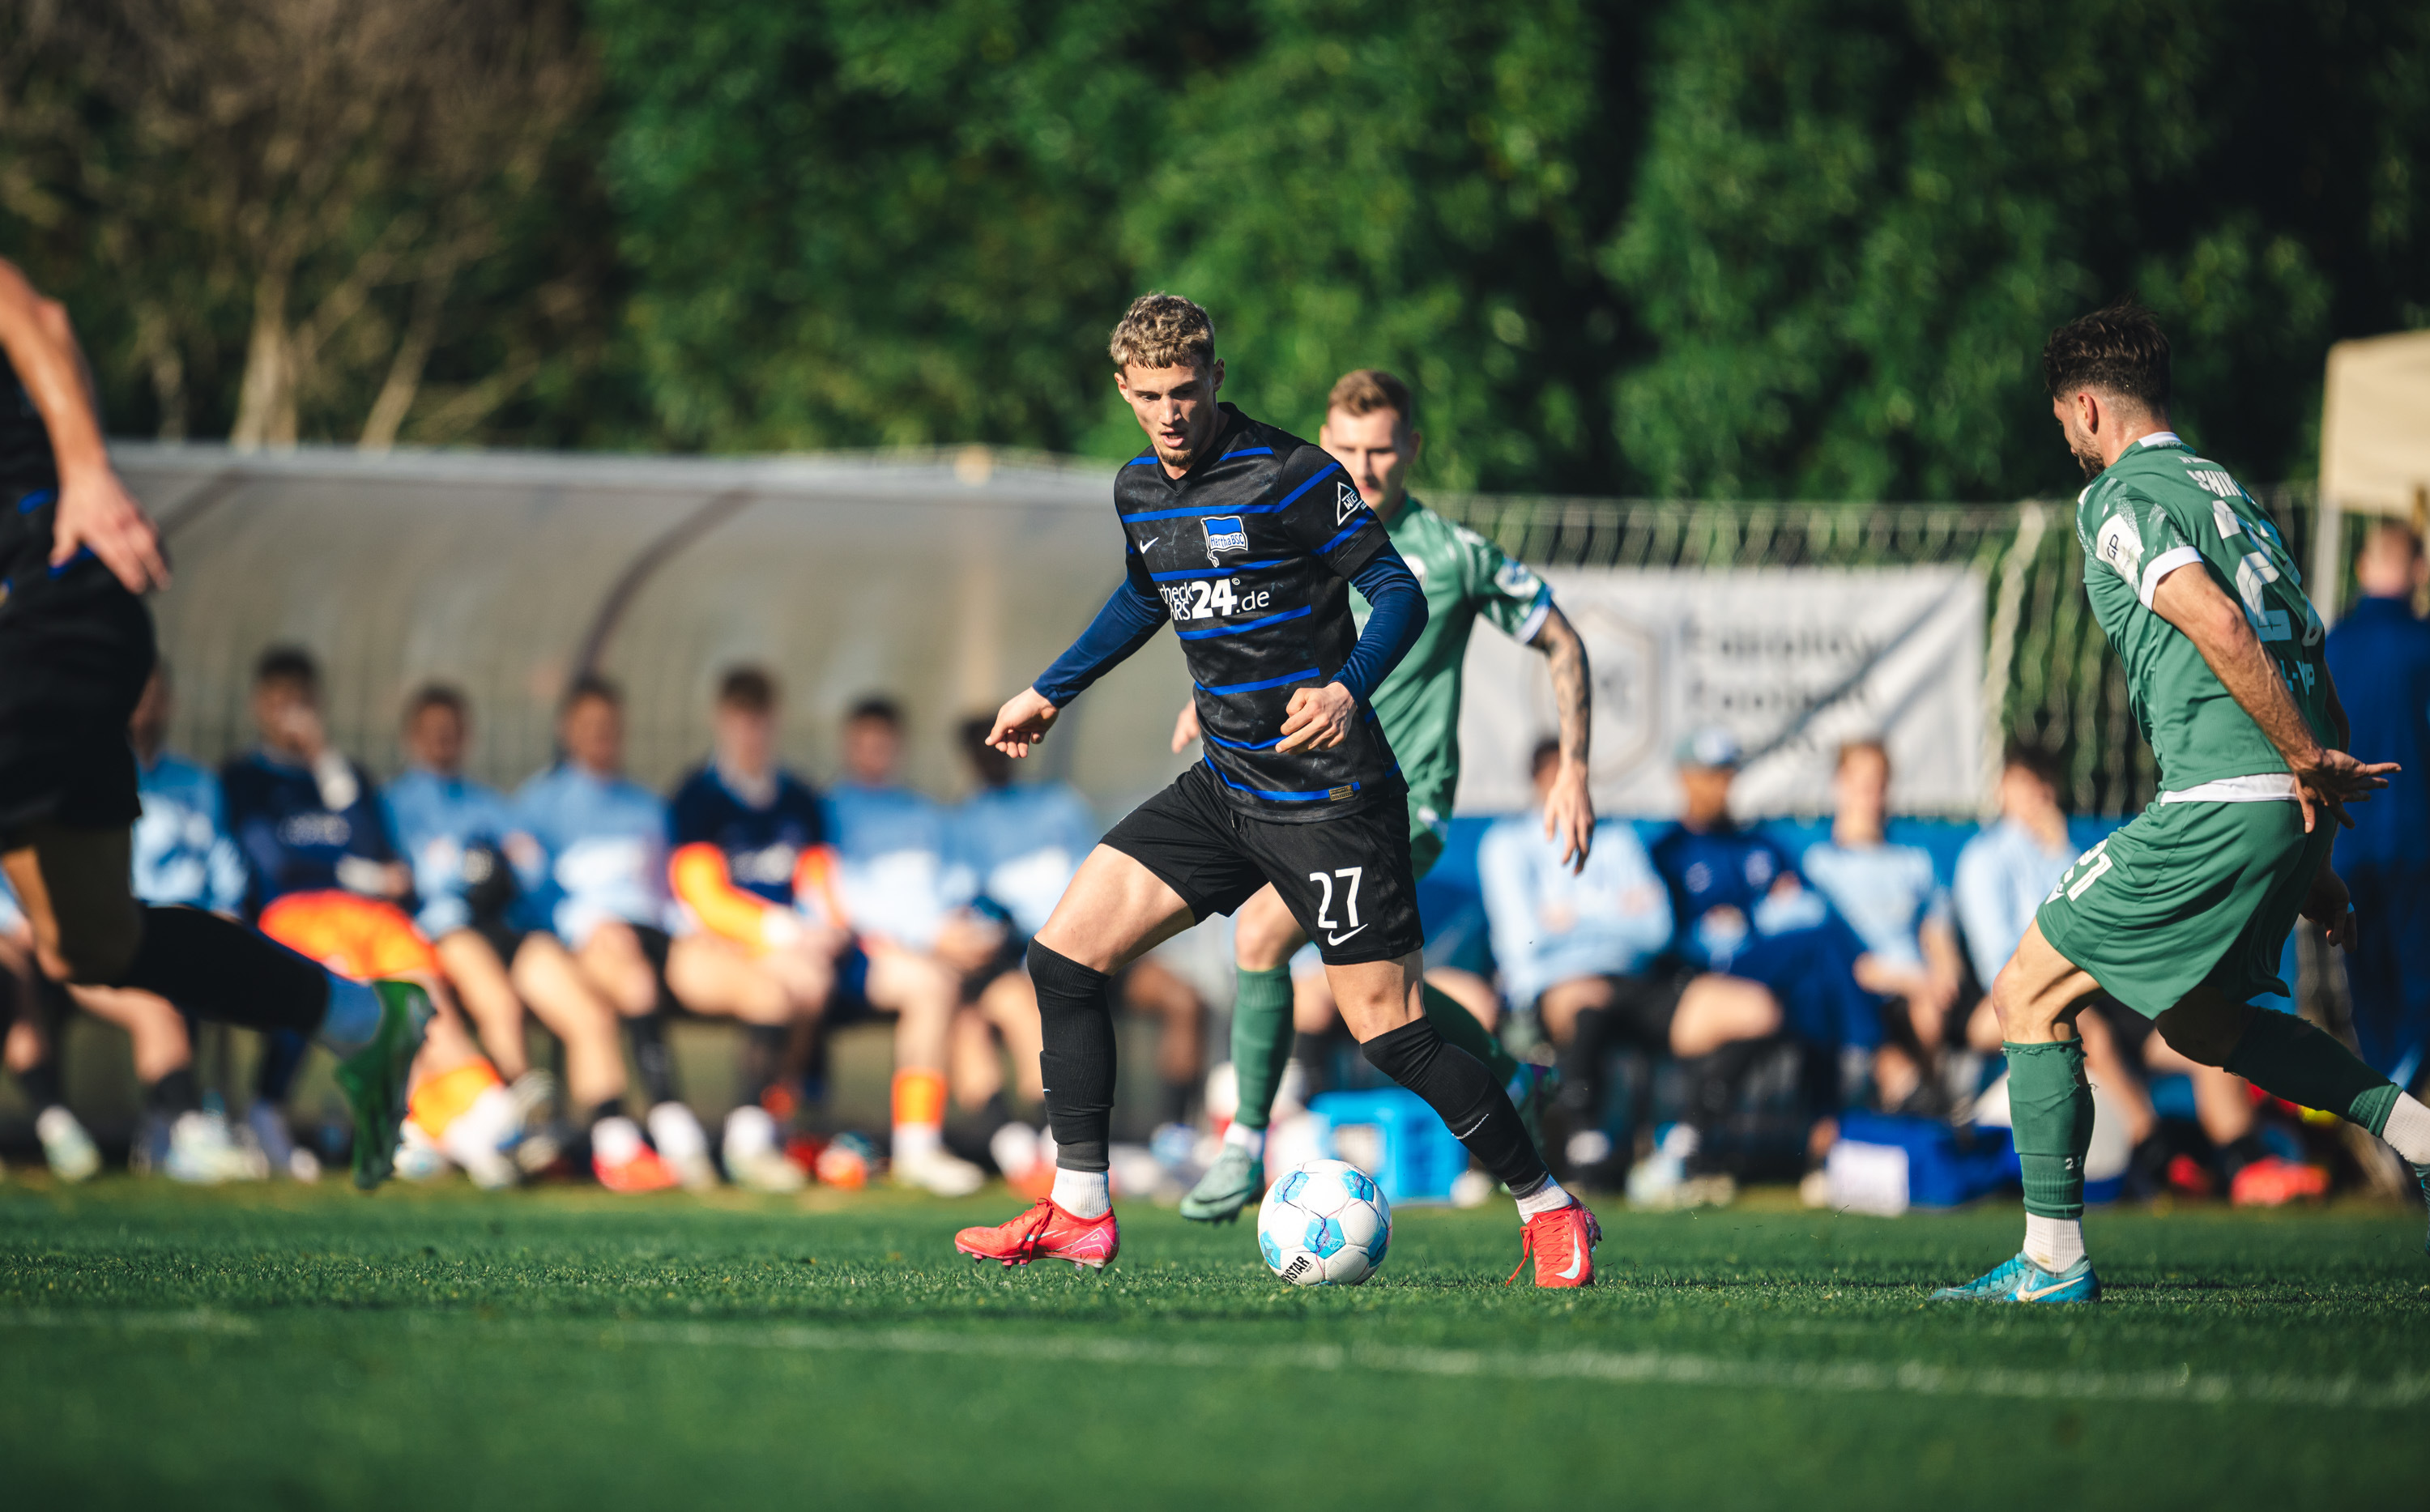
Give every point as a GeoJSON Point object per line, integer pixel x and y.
{"type": "Point", "coordinates": [2287, 1058]}
{"type": "Point", "coordinates": [1460, 1027]}
{"type": "Point", "coordinates": [1262, 1041]}
{"type": "Point", "coordinates": [2050, 1109]}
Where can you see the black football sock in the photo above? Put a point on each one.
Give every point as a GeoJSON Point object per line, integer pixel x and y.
{"type": "Point", "coordinates": [763, 1059]}
{"type": "Point", "coordinates": [1076, 1022]}
{"type": "Point", "coordinates": [1713, 1083]}
{"type": "Point", "coordinates": [39, 1082]}
{"type": "Point", "coordinates": [174, 1095]}
{"type": "Point", "coordinates": [1458, 1087]}
{"type": "Point", "coordinates": [214, 968]}
{"type": "Point", "coordinates": [2240, 1152]}
{"type": "Point", "coordinates": [647, 1035]}
{"type": "Point", "coordinates": [282, 1055]}
{"type": "Point", "coordinates": [1173, 1102]}
{"type": "Point", "coordinates": [1581, 1094]}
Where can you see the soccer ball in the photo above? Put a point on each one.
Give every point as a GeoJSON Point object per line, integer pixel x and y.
{"type": "Point", "coordinates": [1325, 1223]}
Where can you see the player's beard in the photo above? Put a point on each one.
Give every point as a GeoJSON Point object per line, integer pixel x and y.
{"type": "Point", "coordinates": [2087, 455]}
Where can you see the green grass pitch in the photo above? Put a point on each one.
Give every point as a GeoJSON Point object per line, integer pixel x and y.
{"type": "Point", "coordinates": [441, 1349]}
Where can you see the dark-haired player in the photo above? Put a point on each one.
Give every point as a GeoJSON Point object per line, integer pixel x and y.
{"type": "Point", "coordinates": [1247, 539]}
{"type": "Point", "coordinates": [2182, 915]}
{"type": "Point", "coordinates": [75, 647]}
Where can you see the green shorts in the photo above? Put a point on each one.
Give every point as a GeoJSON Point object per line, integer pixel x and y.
{"type": "Point", "coordinates": [2186, 894]}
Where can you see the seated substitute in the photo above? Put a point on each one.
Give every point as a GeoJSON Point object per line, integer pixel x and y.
{"type": "Point", "coordinates": [597, 872]}
{"type": "Point", "coordinates": [1585, 947]}
{"type": "Point", "coordinates": [498, 954]}
{"type": "Point", "coordinates": [307, 819]}
{"type": "Point", "coordinates": [1890, 895]}
{"type": "Point", "coordinates": [743, 827]}
{"type": "Point", "coordinates": [890, 891]}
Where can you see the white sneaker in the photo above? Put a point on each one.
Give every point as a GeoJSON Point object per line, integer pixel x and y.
{"type": "Point", "coordinates": [683, 1144]}
{"type": "Point", "coordinates": [66, 1145]}
{"type": "Point", "coordinates": [418, 1155]}
{"type": "Point", "coordinates": [478, 1139]}
{"type": "Point", "coordinates": [754, 1161]}
{"type": "Point", "coordinates": [941, 1172]}
{"type": "Point", "coordinates": [1661, 1179]}
{"type": "Point", "coordinates": [202, 1153]}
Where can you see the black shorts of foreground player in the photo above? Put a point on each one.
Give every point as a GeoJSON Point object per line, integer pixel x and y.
{"type": "Point", "coordinates": [1247, 539]}
{"type": "Point", "coordinates": [75, 649]}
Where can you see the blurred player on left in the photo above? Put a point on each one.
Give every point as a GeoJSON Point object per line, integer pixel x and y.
{"type": "Point", "coordinates": [75, 647]}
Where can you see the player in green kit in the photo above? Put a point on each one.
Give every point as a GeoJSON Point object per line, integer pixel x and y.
{"type": "Point", "coordinates": [2182, 915]}
{"type": "Point", "coordinates": [1367, 428]}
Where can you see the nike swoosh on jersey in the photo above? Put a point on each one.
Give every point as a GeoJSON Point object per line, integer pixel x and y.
{"type": "Point", "coordinates": [1336, 940]}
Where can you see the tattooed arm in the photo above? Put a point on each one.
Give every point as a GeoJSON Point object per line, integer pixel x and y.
{"type": "Point", "coordinates": [1569, 814]}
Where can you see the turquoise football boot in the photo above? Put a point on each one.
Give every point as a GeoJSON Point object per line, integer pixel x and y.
{"type": "Point", "coordinates": [1235, 1180]}
{"type": "Point", "coordinates": [2021, 1280]}
{"type": "Point", "coordinates": [374, 1078]}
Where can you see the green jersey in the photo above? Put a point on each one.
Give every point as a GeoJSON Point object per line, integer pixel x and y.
{"type": "Point", "coordinates": [1464, 575]}
{"type": "Point", "coordinates": [2156, 508]}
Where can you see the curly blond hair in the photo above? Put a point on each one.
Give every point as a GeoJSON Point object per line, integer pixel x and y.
{"type": "Point", "coordinates": [1162, 331]}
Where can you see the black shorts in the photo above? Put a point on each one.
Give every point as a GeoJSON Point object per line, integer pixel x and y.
{"type": "Point", "coordinates": [1346, 879]}
{"type": "Point", "coordinates": [1643, 1006]}
{"type": "Point", "coordinates": [76, 648]}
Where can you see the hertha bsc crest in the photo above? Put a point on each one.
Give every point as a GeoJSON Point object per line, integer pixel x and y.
{"type": "Point", "coordinates": [1224, 533]}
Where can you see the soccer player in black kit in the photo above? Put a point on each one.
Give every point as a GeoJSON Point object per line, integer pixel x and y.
{"type": "Point", "coordinates": [76, 648]}
{"type": "Point", "coordinates": [1247, 539]}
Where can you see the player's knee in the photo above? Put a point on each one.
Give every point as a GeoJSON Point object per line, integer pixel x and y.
{"type": "Point", "coordinates": [1264, 938]}
{"type": "Point", "coordinates": [2026, 1017]}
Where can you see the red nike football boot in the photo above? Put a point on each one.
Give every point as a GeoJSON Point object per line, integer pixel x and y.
{"type": "Point", "coordinates": [1562, 1243]}
{"type": "Point", "coordinates": [1045, 1232]}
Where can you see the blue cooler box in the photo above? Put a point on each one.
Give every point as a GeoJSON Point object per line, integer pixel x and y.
{"type": "Point", "coordinates": [1943, 1167]}
{"type": "Point", "coordinates": [1393, 1136]}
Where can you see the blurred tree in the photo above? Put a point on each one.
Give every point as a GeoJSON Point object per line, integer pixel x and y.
{"type": "Point", "coordinates": [1418, 185]}
{"type": "Point", "coordinates": [867, 223]}
{"type": "Point", "coordinates": [1855, 222]}
{"type": "Point", "coordinates": [324, 175]}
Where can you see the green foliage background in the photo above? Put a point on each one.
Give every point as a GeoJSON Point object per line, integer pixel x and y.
{"type": "Point", "coordinates": [1737, 248]}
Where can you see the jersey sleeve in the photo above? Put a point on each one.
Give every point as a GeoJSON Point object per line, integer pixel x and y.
{"type": "Point", "coordinates": [1321, 512]}
{"type": "Point", "coordinates": [698, 876]}
{"type": "Point", "coordinates": [2133, 536]}
{"type": "Point", "coordinates": [1507, 592]}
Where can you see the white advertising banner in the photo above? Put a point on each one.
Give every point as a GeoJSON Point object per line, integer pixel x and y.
{"type": "Point", "coordinates": [1791, 660]}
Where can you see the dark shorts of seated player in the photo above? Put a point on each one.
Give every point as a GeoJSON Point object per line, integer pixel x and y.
{"type": "Point", "coordinates": [1346, 878]}
{"type": "Point", "coordinates": [1643, 1006]}
{"type": "Point", "coordinates": [2187, 894]}
{"type": "Point", "coordinates": [75, 650]}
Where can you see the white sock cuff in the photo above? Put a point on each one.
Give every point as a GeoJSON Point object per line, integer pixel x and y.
{"type": "Point", "coordinates": [1253, 1141]}
{"type": "Point", "coordinates": [2409, 1129]}
{"type": "Point", "coordinates": [1084, 1193]}
{"type": "Point", "coordinates": [1544, 1198]}
{"type": "Point", "coordinates": [2054, 1244]}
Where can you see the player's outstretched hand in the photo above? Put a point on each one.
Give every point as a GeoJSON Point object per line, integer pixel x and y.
{"type": "Point", "coordinates": [1318, 719]}
{"type": "Point", "coordinates": [1569, 815]}
{"type": "Point", "coordinates": [1184, 727]}
{"type": "Point", "coordinates": [1023, 723]}
{"type": "Point", "coordinates": [2329, 780]}
{"type": "Point", "coordinates": [96, 513]}
{"type": "Point", "coordinates": [2329, 906]}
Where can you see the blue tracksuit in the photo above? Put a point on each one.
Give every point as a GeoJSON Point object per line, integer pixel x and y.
{"type": "Point", "coordinates": [183, 854]}
{"type": "Point", "coordinates": [1792, 945]}
{"type": "Point", "coordinates": [762, 845]}
{"type": "Point", "coordinates": [604, 843]}
{"type": "Point", "coordinates": [2380, 655]}
{"type": "Point", "coordinates": [293, 840]}
{"type": "Point", "coordinates": [436, 819]}
{"type": "Point", "coordinates": [1017, 847]}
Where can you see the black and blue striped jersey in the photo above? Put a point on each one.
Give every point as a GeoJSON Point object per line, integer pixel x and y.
{"type": "Point", "coordinates": [1251, 552]}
